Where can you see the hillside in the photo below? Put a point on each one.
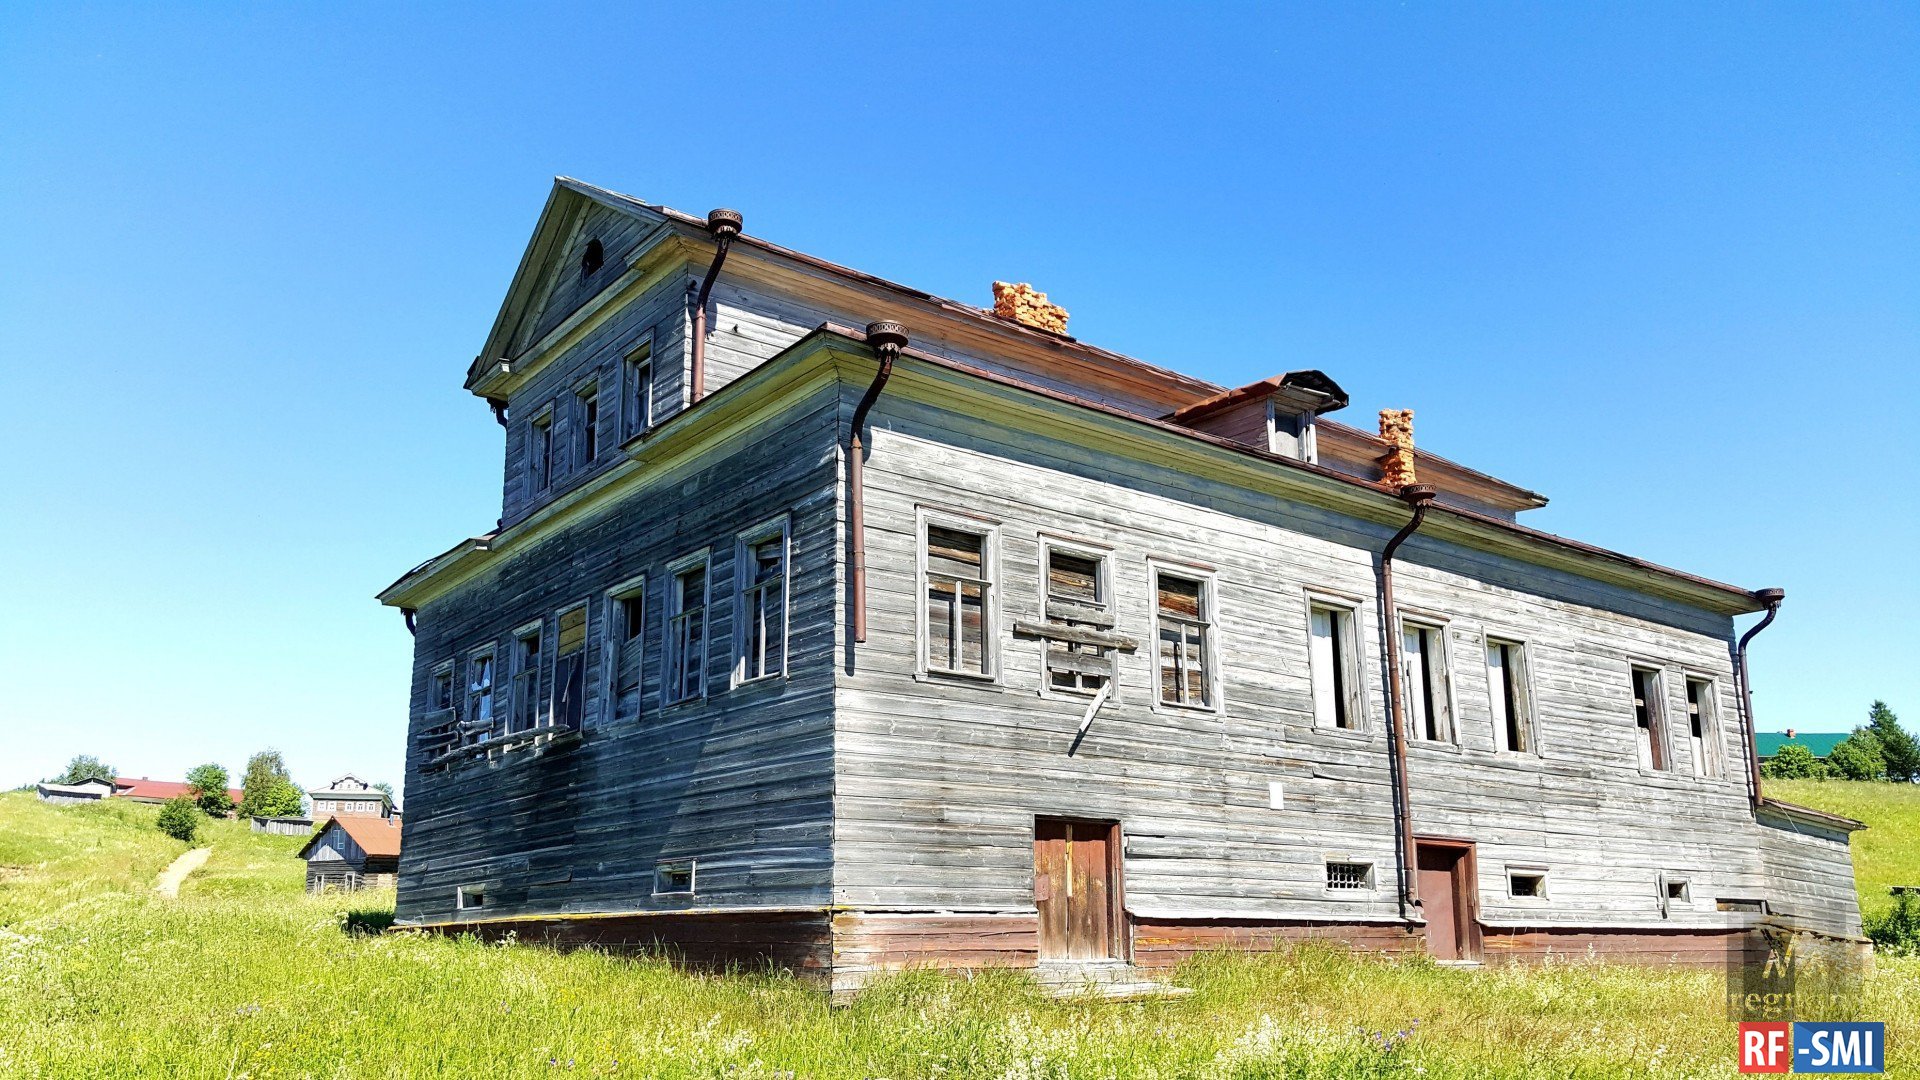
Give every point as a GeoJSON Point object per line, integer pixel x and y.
{"type": "Point", "coordinates": [244, 975]}
{"type": "Point", "coordinates": [1888, 852]}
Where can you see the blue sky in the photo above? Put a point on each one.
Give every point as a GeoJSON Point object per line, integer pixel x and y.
{"type": "Point", "coordinates": [1662, 267]}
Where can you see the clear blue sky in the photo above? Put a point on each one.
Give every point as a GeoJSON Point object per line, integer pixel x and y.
{"type": "Point", "coordinates": [1663, 268]}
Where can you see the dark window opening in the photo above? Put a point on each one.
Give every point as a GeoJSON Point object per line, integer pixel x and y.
{"type": "Point", "coordinates": [1527, 885]}
{"type": "Point", "coordinates": [592, 259]}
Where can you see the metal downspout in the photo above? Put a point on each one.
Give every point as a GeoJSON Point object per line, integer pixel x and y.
{"type": "Point", "coordinates": [1419, 496]}
{"type": "Point", "coordinates": [886, 339]}
{"type": "Point", "coordinates": [1772, 599]}
{"type": "Point", "coordinates": [724, 225]}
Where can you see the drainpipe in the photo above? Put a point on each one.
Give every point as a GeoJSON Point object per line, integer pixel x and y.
{"type": "Point", "coordinates": [886, 339]}
{"type": "Point", "coordinates": [724, 225]}
{"type": "Point", "coordinates": [1418, 496]}
{"type": "Point", "coordinates": [408, 614]}
{"type": "Point", "coordinates": [1771, 598]}
{"type": "Point", "coordinates": [499, 411]}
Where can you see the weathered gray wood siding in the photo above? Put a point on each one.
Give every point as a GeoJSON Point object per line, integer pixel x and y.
{"type": "Point", "coordinates": [741, 782]}
{"type": "Point", "coordinates": [938, 782]}
{"type": "Point", "coordinates": [1815, 858]}
{"type": "Point", "coordinates": [563, 287]}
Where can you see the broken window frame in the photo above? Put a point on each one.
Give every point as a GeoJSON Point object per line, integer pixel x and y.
{"type": "Point", "coordinates": [761, 607]}
{"type": "Point", "coordinates": [1065, 611]}
{"type": "Point", "coordinates": [988, 533]}
{"type": "Point", "coordinates": [443, 688]}
{"type": "Point", "coordinates": [1431, 717]}
{"type": "Point", "coordinates": [636, 388]}
{"type": "Point", "coordinates": [1652, 750]}
{"type": "Point", "coordinates": [1340, 679]}
{"type": "Point", "coordinates": [688, 629]}
{"type": "Point", "coordinates": [625, 648]}
{"type": "Point", "coordinates": [1510, 693]}
{"type": "Point", "coordinates": [1703, 725]}
{"type": "Point", "coordinates": [529, 670]}
{"type": "Point", "coordinates": [1205, 626]}
{"type": "Point", "coordinates": [482, 695]}
{"type": "Point", "coordinates": [540, 452]}
{"type": "Point", "coordinates": [567, 711]}
{"type": "Point", "coordinates": [586, 424]}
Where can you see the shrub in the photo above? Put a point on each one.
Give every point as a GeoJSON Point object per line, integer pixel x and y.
{"type": "Point", "coordinates": [1896, 930]}
{"type": "Point", "coordinates": [180, 818]}
{"type": "Point", "coordinates": [1858, 757]}
{"type": "Point", "coordinates": [1794, 762]}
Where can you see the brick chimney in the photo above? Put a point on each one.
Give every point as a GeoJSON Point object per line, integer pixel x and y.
{"type": "Point", "coordinates": [1789, 733]}
{"type": "Point", "coordinates": [1396, 465]}
{"type": "Point", "coordinates": [1028, 307]}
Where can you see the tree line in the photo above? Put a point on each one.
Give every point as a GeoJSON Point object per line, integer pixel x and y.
{"type": "Point", "coordinates": [1880, 749]}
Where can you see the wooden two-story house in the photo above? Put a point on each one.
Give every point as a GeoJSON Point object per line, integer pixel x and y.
{"type": "Point", "coordinates": [832, 622]}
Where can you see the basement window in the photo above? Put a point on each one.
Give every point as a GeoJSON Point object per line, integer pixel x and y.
{"type": "Point", "coordinates": [1701, 711]}
{"type": "Point", "coordinates": [1730, 903]}
{"type": "Point", "coordinates": [1423, 659]}
{"type": "Point", "coordinates": [673, 878]}
{"type": "Point", "coordinates": [1649, 720]}
{"type": "Point", "coordinates": [1334, 664]}
{"type": "Point", "coordinates": [1349, 876]}
{"type": "Point", "coordinates": [1507, 686]}
{"type": "Point", "coordinates": [592, 259]}
{"type": "Point", "coordinates": [469, 898]}
{"type": "Point", "coordinates": [1527, 884]}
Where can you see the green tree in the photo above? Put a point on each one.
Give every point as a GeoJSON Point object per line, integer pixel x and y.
{"type": "Point", "coordinates": [85, 767]}
{"type": "Point", "coordinates": [180, 818]}
{"type": "Point", "coordinates": [386, 789]}
{"type": "Point", "coordinates": [1858, 757]}
{"type": "Point", "coordinates": [209, 784]}
{"type": "Point", "coordinates": [264, 786]}
{"type": "Point", "coordinates": [1897, 745]}
{"type": "Point", "coordinates": [1794, 762]}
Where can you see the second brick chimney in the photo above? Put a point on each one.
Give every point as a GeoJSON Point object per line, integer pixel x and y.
{"type": "Point", "coordinates": [1396, 465]}
{"type": "Point", "coordinates": [1029, 307]}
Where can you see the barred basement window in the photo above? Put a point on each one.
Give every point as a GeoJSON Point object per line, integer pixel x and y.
{"type": "Point", "coordinates": [1527, 884]}
{"type": "Point", "coordinates": [1349, 876]}
{"type": "Point", "coordinates": [673, 878]}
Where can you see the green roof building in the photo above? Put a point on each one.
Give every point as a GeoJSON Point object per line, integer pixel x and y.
{"type": "Point", "coordinates": [1821, 743]}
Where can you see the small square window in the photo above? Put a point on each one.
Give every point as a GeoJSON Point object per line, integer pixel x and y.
{"type": "Point", "coordinates": [1527, 884]}
{"type": "Point", "coordinates": [1349, 876]}
{"type": "Point", "coordinates": [1678, 890]}
{"type": "Point", "coordinates": [469, 897]}
{"type": "Point", "coordinates": [673, 878]}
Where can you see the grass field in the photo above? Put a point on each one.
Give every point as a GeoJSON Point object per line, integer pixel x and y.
{"type": "Point", "coordinates": [243, 975]}
{"type": "Point", "coordinates": [1888, 852]}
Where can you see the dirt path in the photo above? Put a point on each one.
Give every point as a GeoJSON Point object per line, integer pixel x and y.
{"type": "Point", "coordinates": [170, 878]}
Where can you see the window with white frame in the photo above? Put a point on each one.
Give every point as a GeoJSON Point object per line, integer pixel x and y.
{"type": "Point", "coordinates": [1344, 876]}
{"type": "Point", "coordinates": [480, 719]}
{"type": "Point", "coordinates": [586, 425]}
{"type": "Point", "coordinates": [685, 674]}
{"type": "Point", "coordinates": [636, 390]}
{"type": "Point", "coordinates": [1526, 883]}
{"type": "Point", "coordinates": [760, 608]}
{"type": "Point", "coordinates": [570, 668]}
{"type": "Point", "coordinates": [1183, 631]}
{"type": "Point", "coordinates": [1333, 656]}
{"type": "Point", "coordinates": [957, 600]}
{"type": "Point", "coordinates": [626, 638]}
{"type": "Point", "coordinates": [1078, 588]}
{"type": "Point", "coordinates": [1649, 719]}
{"type": "Point", "coordinates": [1702, 706]}
{"type": "Point", "coordinates": [540, 451]}
{"type": "Point", "coordinates": [1507, 689]}
{"type": "Point", "coordinates": [469, 897]}
{"type": "Point", "coordinates": [527, 661]}
{"type": "Point", "coordinates": [1424, 675]}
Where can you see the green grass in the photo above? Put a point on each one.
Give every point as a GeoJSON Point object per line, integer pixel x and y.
{"type": "Point", "coordinates": [1888, 851]}
{"type": "Point", "coordinates": [244, 975]}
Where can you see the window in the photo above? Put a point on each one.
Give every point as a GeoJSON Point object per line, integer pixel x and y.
{"type": "Point", "coordinates": [540, 451]}
{"type": "Point", "coordinates": [526, 680]}
{"type": "Point", "coordinates": [1512, 707]}
{"type": "Point", "coordinates": [1701, 713]}
{"type": "Point", "coordinates": [480, 694]}
{"type": "Point", "coordinates": [1728, 903]}
{"type": "Point", "coordinates": [1334, 665]}
{"type": "Point", "coordinates": [626, 617]}
{"type": "Point", "coordinates": [1527, 884]}
{"type": "Point", "coordinates": [686, 667]}
{"type": "Point", "coordinates": [1183, 627]}
{"type": "Point", "coordinates": [570, 669]}
{"type": "Point", "coordinates": [1078, 590]}
{"type": "Point", "coordinates": [1349, 876]}
{"type": "Point", "coordinates": [1650, 740]}
{"type": "Point", "coordinates": [440, 692]}
{"type": "Point", "coordinates": [1675, 892]}
{"type": "Point", "coordinates": [760, 613]}
{"type": "Point", "coordinates": [586, 413]}
{"type": "Point", "coordinates": [636, 391]}
{"type": "Point", "coordinates": [956, 612]}
{"type": "Point", "coordinates": [592, 259]}
{"type": "Point", "coordinates": [1423, 658]}
{"type": "Point", "coordinates": [467, 897]}
{"type": "Point", "coordinates": [673, 878]}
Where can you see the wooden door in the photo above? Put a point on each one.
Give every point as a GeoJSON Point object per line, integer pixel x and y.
{"type": "Point", "coordinates": [1076, 886]}
{"type": "Point", "coordinates": [1446, 884]}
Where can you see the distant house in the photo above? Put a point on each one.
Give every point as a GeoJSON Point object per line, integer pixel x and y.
{"type": "Point", "coordinates": [158, 791]}
{"type": "Point", "coordinates": [84, 791]}
{"type": "Point", "coordinates": [1819, 743]}
{"type": "Point", "coordinates": [353, 851]}
{"type": "Point", "coordinates": [283, 826]}
{"type": "Point", "coordinates": [348, 794]}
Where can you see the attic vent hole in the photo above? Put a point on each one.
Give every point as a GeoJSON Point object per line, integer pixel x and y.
{"type": "Point", "coordinates": [592, 259]}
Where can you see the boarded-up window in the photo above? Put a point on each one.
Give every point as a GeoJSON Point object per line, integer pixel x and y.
{"type": "Point", "coordinates": [957, 602]}
{"type": "Point", "coordinates": [627, 613]}
{"type": "Point", "coordinates": [686, 666]}
{"type": "Point", "coordinates": [1185, 626]}
{"type": "Point", "coordinates": [761, 615]}
{"type": "Point", "coordinates": [1423, 658]}
{"type": "Point", "coordinates": [526, 682]}
{"type": "Point", "coordinates": [1648, 719]}
{"type": "Point", "coordinates": [636, 391]}
{"type": "Point", "coordinates": [1333, 663]}
{"type": "Point", "coordinates": [1507, 688]}
{"type": "Point", "coordinates": [1076, 588]}
{"type": "Point", "coordinates": [570, 669]}
{"type": "Point", "coordinates": [1701, 704]}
